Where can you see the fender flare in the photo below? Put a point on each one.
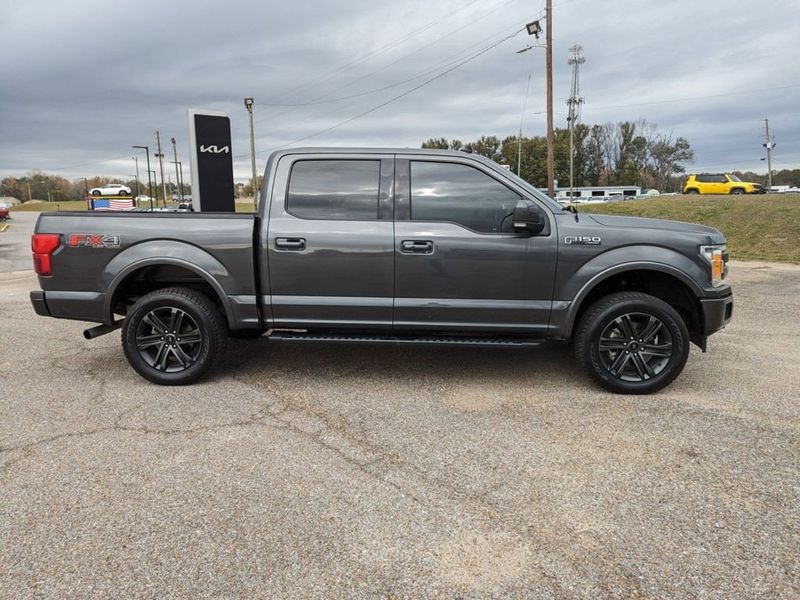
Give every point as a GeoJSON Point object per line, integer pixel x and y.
{"type": "Point", "coordinates": [639, 265]}
{"type": "Point", "coordinates": [114, 277]}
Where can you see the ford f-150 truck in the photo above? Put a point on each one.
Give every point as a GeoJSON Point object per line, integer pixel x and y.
{"type": "Point", "coordinates": [389, 246]}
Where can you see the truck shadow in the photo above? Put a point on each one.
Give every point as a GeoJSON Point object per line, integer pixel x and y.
{"type": "Point", "coordinates": [549, 365]}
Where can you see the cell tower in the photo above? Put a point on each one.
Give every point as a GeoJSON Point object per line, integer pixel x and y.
{"type": "Point", "coordinates": [574, 103]}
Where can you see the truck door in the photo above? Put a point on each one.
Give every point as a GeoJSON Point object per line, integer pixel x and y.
{"type": "Point", "coordinates": [330, 242]}
{"type": "Point", "coordinates": [458, 263]}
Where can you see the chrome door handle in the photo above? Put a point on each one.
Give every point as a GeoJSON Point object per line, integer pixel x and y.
{"type": "Point", "coordinates": [416, 246]}
{"type": "Point", "coordinates": [295, 244]}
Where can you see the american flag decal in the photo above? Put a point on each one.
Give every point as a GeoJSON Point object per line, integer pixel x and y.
{"type": "Point", "coordinates": [113, 204]}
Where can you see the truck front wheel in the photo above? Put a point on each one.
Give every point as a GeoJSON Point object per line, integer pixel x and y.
{"type": "Point", "coordinates": [173, 336]}
{"type": "Point", "coordinates": [632, 343]}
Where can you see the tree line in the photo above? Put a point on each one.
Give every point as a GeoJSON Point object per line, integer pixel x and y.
{"type": "Point", "coordinates": [624, 153]}
{"type": "Point", "coordinates": [38, 185]}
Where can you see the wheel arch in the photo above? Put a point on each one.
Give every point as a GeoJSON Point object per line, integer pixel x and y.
{"type": "Point", "coordinates": [202, 268]}
{"type": "Point", "coordinates": [663, 281]}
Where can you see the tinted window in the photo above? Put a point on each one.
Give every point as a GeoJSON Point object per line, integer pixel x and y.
{"type": "Point", "coordinates": [334, 189]}
{"type": "Point", "coordinates": [460, 194]}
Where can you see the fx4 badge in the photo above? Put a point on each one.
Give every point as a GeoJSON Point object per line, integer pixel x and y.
{"type": "Point", "coordinates": [93, 240]}
{"type": "Point", "coordinates": [582, 240]}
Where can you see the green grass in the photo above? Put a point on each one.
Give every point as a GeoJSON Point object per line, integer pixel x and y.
{"type": "Point", "coordinates": [44, 206]}
{"type": "Point", "coordinates": [760, 227]}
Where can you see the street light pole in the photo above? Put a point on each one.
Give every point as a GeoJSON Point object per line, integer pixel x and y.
{"type": "Point", "coordinates": [149, 181]}
{"type": "Point", "coordinates": [248, 104]}
{"type": "Point", "coordinates": [180, 170]}
{"type": "Point", "coordinates": [177, 173]}
{"type": "Point", "coordinates": [521, 122]}
{"type": "Point", "coordinates": [88, 197]}
{"type": "Point", "coordinates": [549, 61]}
{"type": "Point", "coordinates": [160, 156]}
{"type": "Point", "coordinates": [138, 191]}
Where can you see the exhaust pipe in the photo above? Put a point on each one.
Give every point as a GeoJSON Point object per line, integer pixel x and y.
{"type": "Point", "coordinates": [95, 332]}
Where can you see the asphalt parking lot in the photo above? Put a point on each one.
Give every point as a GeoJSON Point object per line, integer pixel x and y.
{"type": "Point", "coordinates": [319, 471]}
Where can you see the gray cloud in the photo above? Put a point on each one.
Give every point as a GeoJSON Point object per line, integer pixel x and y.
{"type": "Point", "coordinates": [82, 81]}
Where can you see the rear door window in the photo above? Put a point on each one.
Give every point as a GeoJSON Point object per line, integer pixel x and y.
{"type": "Point", "coordinates": [334, 189]}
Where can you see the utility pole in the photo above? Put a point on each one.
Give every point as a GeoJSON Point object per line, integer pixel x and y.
{"type": "Point", "coordinates": [160, 156]}
{"type": "Point", "coordinates": [29, 193]}
{"type": "Point", "coordinates": [248, 104]}
{"type": "Point", "coordinates": [549, 61]}
{"type": "Point", "coordinates": [521, 121]}
{"type": "Point", "coordinates": [177, 173]}
{"type": "Point", "coordinates": [769, 145]}
{"type": "Point", "coordinates": [574, 102]}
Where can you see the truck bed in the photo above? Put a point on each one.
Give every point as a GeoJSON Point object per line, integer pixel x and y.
{"type": "Point", "coordinates": [101, 252]}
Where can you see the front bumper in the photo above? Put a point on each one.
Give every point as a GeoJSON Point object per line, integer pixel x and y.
{"type": "Point", "coordinates": [717, 313]}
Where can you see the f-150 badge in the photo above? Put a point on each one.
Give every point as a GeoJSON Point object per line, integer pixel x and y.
{"type": "Point", "coordinates": [582, 240]}
{"type": "Point", "coordinates": [93, 240]}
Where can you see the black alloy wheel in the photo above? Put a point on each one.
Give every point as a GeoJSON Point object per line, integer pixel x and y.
{"type": "Point", "coordinates": [168, 339]}
{"type": "Point", "coordinates": [173, 336]}
{"type": "Point", "coordinates": [632, 343]}
{"type": "Point", "coordinates": [635, 347]}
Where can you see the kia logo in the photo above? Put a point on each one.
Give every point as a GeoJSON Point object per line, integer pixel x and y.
{"type": "Point", "coordinates": [215, 149]}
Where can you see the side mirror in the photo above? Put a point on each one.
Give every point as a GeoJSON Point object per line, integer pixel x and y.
{"type": "Point", "coordinates": [527, 219]}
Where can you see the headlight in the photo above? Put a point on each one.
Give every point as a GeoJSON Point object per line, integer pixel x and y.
{"type": "Point", "coordinates": [717, 257]}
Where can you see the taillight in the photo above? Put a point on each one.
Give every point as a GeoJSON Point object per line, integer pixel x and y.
{"type": "Point", "coordinates": [43, 246]}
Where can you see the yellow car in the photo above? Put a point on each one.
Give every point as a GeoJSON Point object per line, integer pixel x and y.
{"type": "Point", "coordinates": [725, 183]}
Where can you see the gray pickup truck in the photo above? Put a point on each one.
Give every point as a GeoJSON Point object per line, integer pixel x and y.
{"type": "Point", "coordinates": [389, 246]}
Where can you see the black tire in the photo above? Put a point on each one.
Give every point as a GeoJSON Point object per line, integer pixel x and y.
{"type": "Point", "coordinates": [246, 334]}
{"type": "Point", "coordinates": [96, 193]}
{"type": "Point", "coordinates": [123, 193]}
{"type": "Point", "coordinates": [612, 325]}
{"type": "Point", "coordinates": [171, 360]}
{"type": "Point", "coordinates": [737, 191]}
{"type": "Point", "coordinates": [692, 191]}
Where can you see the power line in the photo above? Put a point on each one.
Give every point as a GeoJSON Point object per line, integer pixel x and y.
{"type": "Point", "coordinates": [417, 75]}
{"type": "Point", "coordinates": [346, 67]}
{"type": "Point", "coordinates": [398, 97]}
{"type": "Point", "coordinates": [322, 99]}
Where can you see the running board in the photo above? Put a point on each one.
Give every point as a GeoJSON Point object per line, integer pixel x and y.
{"type": "Point", "coordinates": [492, 342]}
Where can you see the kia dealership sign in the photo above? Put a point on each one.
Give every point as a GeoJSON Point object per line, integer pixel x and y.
{"type": "Point", "coordinates": [212, 162]}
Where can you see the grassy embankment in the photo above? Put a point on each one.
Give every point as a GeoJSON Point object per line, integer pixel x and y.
{"type": "Point", "coordinates": [761, 227]}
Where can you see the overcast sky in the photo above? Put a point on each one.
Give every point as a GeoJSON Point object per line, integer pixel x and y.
{"type": "Point", "coordinates": [82, 81]}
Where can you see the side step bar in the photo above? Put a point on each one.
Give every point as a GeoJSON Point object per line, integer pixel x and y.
{"type": "Point", "coordinates": [492, 342]}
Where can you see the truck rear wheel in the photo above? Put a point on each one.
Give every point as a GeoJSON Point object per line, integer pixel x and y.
{"type": "Point", "coordinates": [173, 336]}
{"type": "Point", "coordinates": [632, 343]}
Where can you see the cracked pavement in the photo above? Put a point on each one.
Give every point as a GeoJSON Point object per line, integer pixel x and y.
{"type": "Point", "coordinates": [350, 471]}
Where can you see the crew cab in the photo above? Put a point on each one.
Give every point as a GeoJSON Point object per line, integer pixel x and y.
{"type": "Point", "coordinates": [391, 246]}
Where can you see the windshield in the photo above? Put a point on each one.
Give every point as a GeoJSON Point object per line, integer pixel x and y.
{"type": "Point", "coordinates": [734, 178]}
